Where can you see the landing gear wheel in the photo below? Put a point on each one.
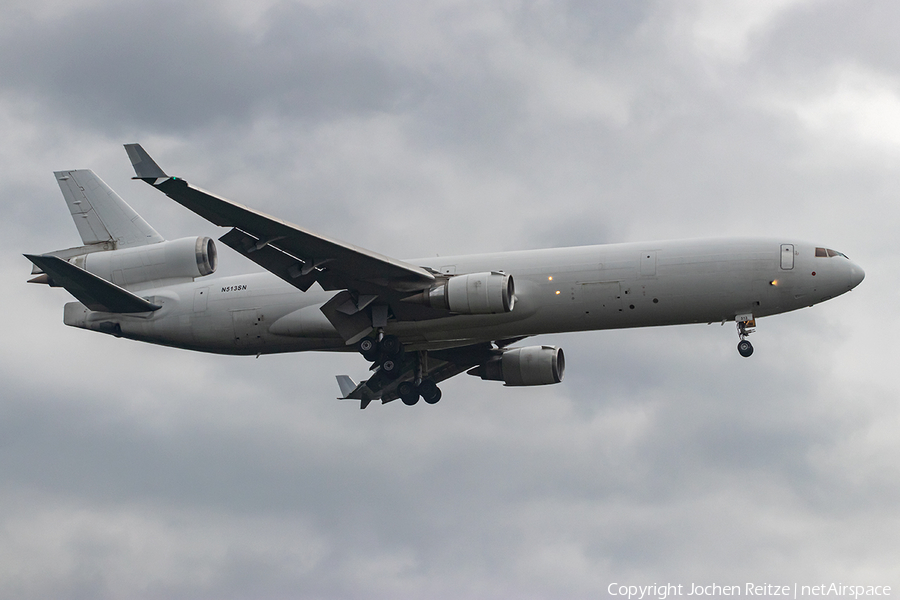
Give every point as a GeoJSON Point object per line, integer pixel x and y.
{"type": "Point", "coordinates": [368, 347]}
{"type": "Point", "coordinates": [433, 399]}
{"type": "Point", "coordinates": [390, 367]}
{"type": "Point", "coordinates": [430, 392]}
{"type": "Point", "coordinates": [391, 345]}
{"type": "Point", "coordinates": [745, 326]}
{"type": "Point", "coordinates": [408, 393]}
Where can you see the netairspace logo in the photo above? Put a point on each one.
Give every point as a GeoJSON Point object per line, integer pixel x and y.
{"type": "Point", "coordinates": [667, 590]}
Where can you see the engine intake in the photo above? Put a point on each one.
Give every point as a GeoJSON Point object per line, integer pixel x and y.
{"type": "Point", "coordinates": [533, 365]}
{"type": "Point", "coordinates": [179, 260]}
{"type": "Point", "coordinates": [471, 294]}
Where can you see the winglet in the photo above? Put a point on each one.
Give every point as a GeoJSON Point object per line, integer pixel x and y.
{"type": "Point", "coordinates": [144, 166]}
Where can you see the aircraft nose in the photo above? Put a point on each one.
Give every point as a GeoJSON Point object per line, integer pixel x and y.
{"type": "Point", "coordinates": [856, 275]}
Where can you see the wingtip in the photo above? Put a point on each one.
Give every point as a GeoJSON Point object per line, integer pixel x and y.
{"type": "Point", "coordinates": [144, 166]}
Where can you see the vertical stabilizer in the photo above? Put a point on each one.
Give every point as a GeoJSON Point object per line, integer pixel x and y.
{"type": "Point", "coordinates": [100, 214]}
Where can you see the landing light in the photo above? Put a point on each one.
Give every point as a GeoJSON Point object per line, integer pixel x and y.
{"type": "Point", "coordinates": [774, 282]}
{"type": "Point", "coordinates": [550, 278]}
{"type": "Point", "coordinates": [557, 292]}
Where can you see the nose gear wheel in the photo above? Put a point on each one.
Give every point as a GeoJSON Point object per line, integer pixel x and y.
{"type": "Point", "coordinates": [745, 328]}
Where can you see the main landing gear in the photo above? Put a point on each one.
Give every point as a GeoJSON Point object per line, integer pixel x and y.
{"type": "Point", "coordinates": [745, 328]}
{"type": "Point", "coordinates": [387, 353]}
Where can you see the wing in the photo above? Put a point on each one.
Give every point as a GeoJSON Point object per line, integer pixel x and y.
{"type": "Point", "coordinates": [294, 254]}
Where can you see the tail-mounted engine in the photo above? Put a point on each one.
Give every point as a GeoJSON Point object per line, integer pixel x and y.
{"type": "Point", "coordinates": [169, 262]}
{"type": "Point", "coordinates": [533, 365]}
{"type": "Point", "coordinates": [472, 294]}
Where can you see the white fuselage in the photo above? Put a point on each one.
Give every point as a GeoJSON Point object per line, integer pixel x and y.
{"type": "Point", "coordinates": [557, 290]}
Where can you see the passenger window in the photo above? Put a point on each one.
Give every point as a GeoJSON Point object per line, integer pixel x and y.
{"type": "Point", "coordinates": [821, 252]}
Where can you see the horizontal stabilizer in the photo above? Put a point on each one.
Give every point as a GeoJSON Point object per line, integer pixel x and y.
{"type": "Point", "coordinates": [94, 292]}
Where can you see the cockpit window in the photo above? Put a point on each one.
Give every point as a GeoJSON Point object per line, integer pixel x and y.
{"type": "Point", "coordinates": [828, 252]}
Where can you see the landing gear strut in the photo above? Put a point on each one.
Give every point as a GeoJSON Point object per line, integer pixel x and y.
{"type": "Point", "coordinates": [745, 328]}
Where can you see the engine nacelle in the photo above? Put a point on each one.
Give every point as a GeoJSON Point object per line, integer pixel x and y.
{"type": "Point", "coordinates": [169, 262]}
{"type": "Point", "coordinates": [471, 294]}
{"type": "Point", "coordinates": [533, 365]}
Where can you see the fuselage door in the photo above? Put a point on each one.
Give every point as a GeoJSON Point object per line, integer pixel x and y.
{"type": "Point", "coordinates": [648, 263]}
{"type": "Point", "coordinates": [787, 256]}
{"type": "Point", "coordinates": [201, 297]}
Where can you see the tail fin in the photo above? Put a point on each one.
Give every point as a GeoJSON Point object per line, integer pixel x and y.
{"type": "Point", "coordinates": [100, 214]}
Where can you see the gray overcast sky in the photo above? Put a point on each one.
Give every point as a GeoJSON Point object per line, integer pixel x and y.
{"type": "Point", "coordinates": [410, 128]}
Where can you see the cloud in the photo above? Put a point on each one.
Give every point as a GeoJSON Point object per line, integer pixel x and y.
{"type": "Point", "coordinates": [860, 107]}
{"type": "Point", "coordinates": [141, 471]}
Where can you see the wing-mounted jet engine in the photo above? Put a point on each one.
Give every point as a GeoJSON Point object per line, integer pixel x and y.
{"type": "Point", "coordinates": [470, 294]}
{"type": "Point", "coordinates": [532, 365]}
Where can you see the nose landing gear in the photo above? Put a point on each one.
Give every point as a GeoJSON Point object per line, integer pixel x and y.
{"type": "Point", "coordinates": [745, 327]}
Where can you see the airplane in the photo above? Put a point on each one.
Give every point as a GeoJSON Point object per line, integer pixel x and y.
{"type": "Point", "coordinates": [420, 321]}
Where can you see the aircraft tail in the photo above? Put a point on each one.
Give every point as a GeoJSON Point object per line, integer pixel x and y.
{"type": "Point", "coordinates": [119, 247]}
{"type": "Point", "coordinates": [101, 216]}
